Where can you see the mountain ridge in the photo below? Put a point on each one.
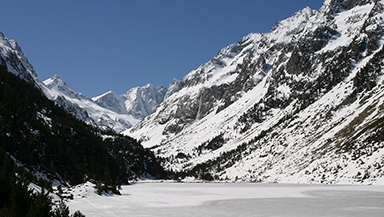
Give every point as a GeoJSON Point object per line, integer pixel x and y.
{"type": "Point", "coordinates": [237, 117]}
{"type": "Point", "coordinates": [109, 110]}
{"type": "Point", "coordinates": [98, 113]}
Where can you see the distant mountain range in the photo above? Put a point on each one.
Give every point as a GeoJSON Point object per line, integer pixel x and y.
{"type": "Point", "coordinates": [301, 103]}
{"type": "Point", "coordinates": [110, 110]}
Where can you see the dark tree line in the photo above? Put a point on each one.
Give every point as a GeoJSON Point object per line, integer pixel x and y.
{"type": "Point", "coordinates": [45, 137]}
{"type": "Point", "coordinates": [16, 199]}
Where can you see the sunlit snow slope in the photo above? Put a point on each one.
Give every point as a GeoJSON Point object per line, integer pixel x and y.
{"type": "Point", "coordinates": [110, 110]}
{"type": "Point", "coordinates": [85, 108]}
{"type": "Point", "coordinates": [301, 103]}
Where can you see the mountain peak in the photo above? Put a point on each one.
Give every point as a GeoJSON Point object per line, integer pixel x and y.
{"type": "Point", "coordinates": [337, 6]}
{"type": "Point", "coordinates": [13, 57]}
{"type": "Point", "coordinates": [55, 81]}
{"type": "Point", "coordinates": [172, 88]}
{"type": "Point", "coordinates": [142, 101]}
{"type": "Point", "coordinates": [112, 101]}
{"type": "Point", "coordinates": [108, 93]}
{"type": "Point", "coordinates": [307, 11]}
{"type": "Point", "coordinates": [148, 86]}
{"type": "Point", "coordinates": [58, 83]}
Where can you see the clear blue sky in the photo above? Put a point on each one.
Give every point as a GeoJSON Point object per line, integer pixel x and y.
{"type": "Point", "coordinates": [99, 45]}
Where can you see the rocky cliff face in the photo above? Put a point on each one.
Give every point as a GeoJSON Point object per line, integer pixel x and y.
{"type": "Point", "coordinates": [142, 101]}
{"type": "Point", "coordinates": [302, 102]}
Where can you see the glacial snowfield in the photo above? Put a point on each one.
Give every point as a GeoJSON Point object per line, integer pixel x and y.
{"type": "Point", "coordinates": [232, 199]}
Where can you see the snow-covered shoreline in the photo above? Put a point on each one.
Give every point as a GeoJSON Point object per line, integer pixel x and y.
{"type": "Point", "coordinates": [227, 199]}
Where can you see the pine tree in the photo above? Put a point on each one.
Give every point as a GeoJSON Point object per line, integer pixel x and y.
{"type": "Point", "coordinates": [62, 210]}
{"type": "Point", "coordinates": [78, 214]}
{"type": "Point", "coordinates": [15, 197]}
{"type": "Point", "coordinates": [41, 206]}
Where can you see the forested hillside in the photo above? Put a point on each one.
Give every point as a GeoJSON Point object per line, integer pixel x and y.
{"type": "Point", "coordinates": [44, 138]}
{"type": "Point", "coordinates": [15, 198]}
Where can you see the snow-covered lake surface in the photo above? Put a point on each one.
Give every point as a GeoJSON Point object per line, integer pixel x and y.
{"type": "Point", "coordinates": [232, 199]}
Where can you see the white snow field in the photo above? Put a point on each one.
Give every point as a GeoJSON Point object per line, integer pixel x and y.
{"type": "Point", "coordinates": [232, 199]}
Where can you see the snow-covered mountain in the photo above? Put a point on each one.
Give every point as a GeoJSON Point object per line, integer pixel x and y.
{"type": "Point", "coordinates": [138, 101]}
{"type": "Point", "coordinates": [106, 111]}
{"type": "Point", "coordinates": [85, 108]}
{"type": "Point", "coordinates": [50, 143]}
{"type": "Point", "coordinates": [56, 89]}
{"type": "Point", "coordinates": [110, 110]}
{"type": "Point", "coordinates": [173, 87]}
{"type": "Point", "coordinates": [301, 103]}
{"type": "Point", "coordinates": [12, 57]}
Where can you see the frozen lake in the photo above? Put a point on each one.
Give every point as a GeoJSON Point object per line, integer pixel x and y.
{"type": "Point", "coordinates": [233, 199]}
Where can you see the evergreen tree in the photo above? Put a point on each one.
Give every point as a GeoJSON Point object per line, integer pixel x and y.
{"type": "Point", "coordinates": [78, 214]}
{"type": "Point", "coordinates": [15, 197]}
{"type": "Point", "coordinates": [62, 210]}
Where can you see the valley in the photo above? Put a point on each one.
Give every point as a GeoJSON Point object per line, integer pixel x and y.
{"type": "Point", "coordinates": [288, 122]}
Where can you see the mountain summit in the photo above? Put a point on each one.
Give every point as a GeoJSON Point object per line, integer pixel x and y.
{"type": "Point", "coordinates": [301, 103]}
{"type": "Point", "coordinates": [12, 57]}
{"type": "Point", "coordinates": [109, 110]}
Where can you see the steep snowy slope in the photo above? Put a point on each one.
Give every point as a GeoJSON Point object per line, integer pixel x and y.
{"type": "Point", "coordinates": [85, 108]}
{"type": "Point", "coordinates": [138, 101]}
{"type": "Point", "coordinates": [109, 110]}
{"type": "Point", "coordinates": [13, 58]}
{"type": "Point", "coordinates": [142, 101]}
{"type": "Point", "coordinates": [302, 102]}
